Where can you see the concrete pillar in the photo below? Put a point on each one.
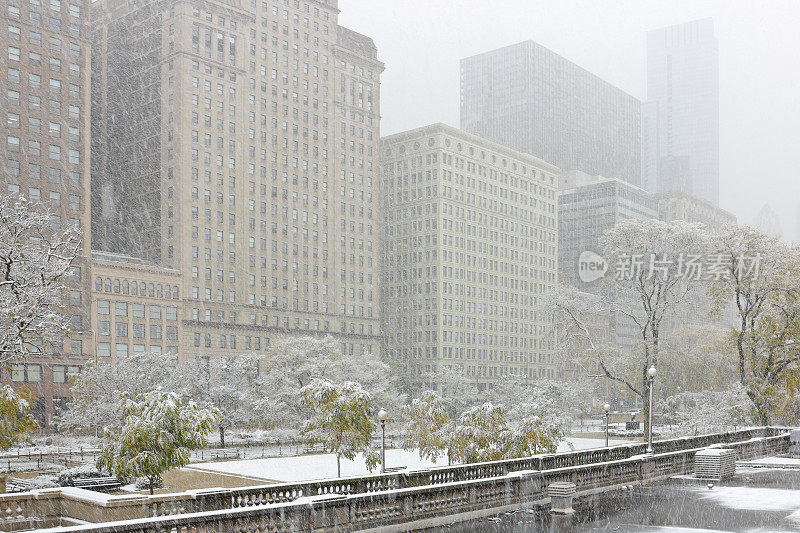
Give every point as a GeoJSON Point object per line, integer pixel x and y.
{"type": "Point", "coordinates": [561, 494]}
{"type": "Point", "coordinates": [794, 442]}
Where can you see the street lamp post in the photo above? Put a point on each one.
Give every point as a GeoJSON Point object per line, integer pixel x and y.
{"type": "Point", "coordinates": [651, 376]}
{"type": "Point", "coordinates": [606, 408]}
{"type": "Point", "coordinates": [382, 416]}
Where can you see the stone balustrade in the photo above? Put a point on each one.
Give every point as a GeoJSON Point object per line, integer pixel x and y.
{"type": "Point", "coordinates": [388, 498]}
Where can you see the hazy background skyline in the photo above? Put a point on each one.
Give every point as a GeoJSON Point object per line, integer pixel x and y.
{"type": "Point", "coordinates": [422, 41]}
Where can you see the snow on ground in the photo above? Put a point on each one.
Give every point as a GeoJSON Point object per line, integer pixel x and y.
{"type": "Point", "coordinates": [753, 498]}
{"type": "Point", "coordinates": [791, 461]}
{"type": "Point", "coordinates": [323, 466]}
{"type": "Point", "coordinates": [587, 444]}
{"type": "Point", "coordinates": [676, 529]}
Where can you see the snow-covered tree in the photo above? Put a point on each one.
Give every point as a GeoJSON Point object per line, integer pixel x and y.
{"type": "Point", "coordinates": [458, 390]}
{"type": "Point", "coordinates": [35, 261]}
{"type": "Point", "coordinates": [707, 411]}
{"type": "Point", "coordinates": [762, 276]}
{"type": "Point", "coordinates": [481, 434]}
{"type": "Point", "coordinates": [429, 427]}
{"type": "Point", "coordinates": [341, 419]}
{"type": "Point", "coordinates": [293, 362]}
{"type": "Point", "coordinates": [158, 433]}
{"type": "Point", "coordinates": [540, 413]}
{"type": "Point", "coordinates": [227, 383]}
{"type": "Point", "coordinates": [16, 420]}
{"type": "Point", "coordinates": [95, 391]}
{"type": "Point", "coordinates": [652, 273]}
{"type": "Point", "coordinates": [696, 358]}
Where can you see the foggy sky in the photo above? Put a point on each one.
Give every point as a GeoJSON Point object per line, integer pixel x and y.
{"type": "Point", "coordinates": [422, 41]}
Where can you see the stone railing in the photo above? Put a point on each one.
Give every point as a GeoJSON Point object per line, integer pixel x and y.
{"type": "Point", "coordinates": [430, 504]}
{"type": "Point", "coordinates": [588, 469]}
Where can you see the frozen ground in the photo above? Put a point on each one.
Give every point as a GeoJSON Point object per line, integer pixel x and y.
{"type": "Point", "coordinates": [322, 466]}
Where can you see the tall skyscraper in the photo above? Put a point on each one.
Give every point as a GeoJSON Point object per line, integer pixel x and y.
{"type": "Point", "coordinates": [45, 158]}
{"type": "Point", "coordinates": [236, 142]}
{"type": "Point", "coordinates": [589, 206]}
{"type": "Point", "coordinates": [532, 100]}
{"type": "Point", "coordinates": [470, 245]}
{"type": "Point", "coordinates": [681, 118]}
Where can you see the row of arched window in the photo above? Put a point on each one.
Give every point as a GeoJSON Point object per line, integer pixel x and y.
{"type": "Point", "coordinates": [153, 290]}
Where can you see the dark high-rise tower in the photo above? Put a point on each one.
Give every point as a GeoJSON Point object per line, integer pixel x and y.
{"type": "Point", "coordinates": [681, 147]}
{"type": "Point", "coordinates": [531, 99]}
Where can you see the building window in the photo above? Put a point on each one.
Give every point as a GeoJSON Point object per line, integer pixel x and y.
{"type": "Point", "coordinates": [103, 349]}
{"type": "Point", "coordinates": [18, 373]}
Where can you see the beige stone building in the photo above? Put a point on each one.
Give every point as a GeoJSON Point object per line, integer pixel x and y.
{"type": "Point", "coordinates": [236, 142]}
{"type": "Point", "coordinates": [683, 206]}
{"type": "Point", "coordinates": [136, 307]}
{"type": "Point", "coordinates": [470, 246]}
{"type": "Point", "coordinates": [44, 156]}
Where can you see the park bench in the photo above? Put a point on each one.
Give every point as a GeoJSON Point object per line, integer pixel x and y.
{"type": "Point", "coordinates": [100, 484]}
{"type": "Point", "coordinates": [16, 484]}
{"type": "Point", "coordinates": [314, 449]}
{"type": "Point", "coordinates": [223, 454]}
{"type": "Point", "coordinates": [395, 468]}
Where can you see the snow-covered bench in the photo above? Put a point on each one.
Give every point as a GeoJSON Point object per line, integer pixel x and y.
{"type": "Point", "coordinates": [16, 484]}
{"type": "Point", "coordinates": [101, 484]}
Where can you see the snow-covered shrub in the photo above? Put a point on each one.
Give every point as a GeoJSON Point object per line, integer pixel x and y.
{"type": "Point", "coordinates": [66, 478]}
{"type": "Point", "coordinates": [144, 483]}
{"type": "Point", "coordinates": [44, 482]}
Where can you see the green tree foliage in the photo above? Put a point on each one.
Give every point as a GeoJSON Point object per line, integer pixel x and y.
{"type": "Point", "coordinates": [428, 426]}
{"type": "Point", "coordinates": [158, 433]}
{"type": "Point", "coordinates": [762, 277]}
{"type": "Point", "coordinates": [340, 418]}
{"type": "Point", "coordinates": [16, 419]}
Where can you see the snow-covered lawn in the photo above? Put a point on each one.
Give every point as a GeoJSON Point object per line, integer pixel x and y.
{"type": "Point", "coordinates": [322, 466]}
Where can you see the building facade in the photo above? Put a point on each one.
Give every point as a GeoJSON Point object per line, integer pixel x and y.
{"type": "Point", "coordinates": [535, 101]}
{"type": "Point", "coordinates": [237, 143]}
{"type": "Point", "coordinates": [136, 307]}
{"type": "Point", "coordinates": [45, 158]}
{"type": "Point", "coordinates": [589, 206]}
{"type": "Point", "coordinates": [682, 206]}
{"type": "Point", "coordinates": [681, 151]}
{"type": "Point", "coordinates": [470, 245]}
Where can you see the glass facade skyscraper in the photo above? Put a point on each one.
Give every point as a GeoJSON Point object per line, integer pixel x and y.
{"type": "Point", "coordinates": [681, 118]}
{"type": "Point", "coordinates": [532, 100]}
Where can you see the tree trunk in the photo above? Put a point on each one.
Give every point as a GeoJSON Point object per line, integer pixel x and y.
{"type": "Point", "coordinates": [221, 436]}
{"type": "Point", "coordinates": [338, 466]}
{"type": "Point", "coordinates": [151, 484]}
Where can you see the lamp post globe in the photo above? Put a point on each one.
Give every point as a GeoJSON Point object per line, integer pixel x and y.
{"type": "Point", "coordinates": [383, 415]}
{"type": "Point", "coordinates": [606, 407]}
